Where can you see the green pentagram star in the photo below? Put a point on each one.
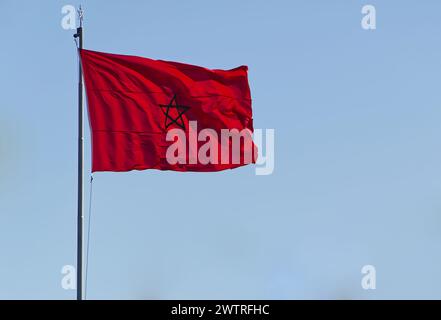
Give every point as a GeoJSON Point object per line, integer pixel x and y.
{"type": "Point", "coordinates": [178, 120]}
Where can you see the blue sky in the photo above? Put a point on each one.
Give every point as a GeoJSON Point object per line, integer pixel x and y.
{"type": "Point", "coordinates": [357, 163]}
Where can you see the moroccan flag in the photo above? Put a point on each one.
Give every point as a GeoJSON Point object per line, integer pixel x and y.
{"type": "Point", "coordinates": [154, 114]}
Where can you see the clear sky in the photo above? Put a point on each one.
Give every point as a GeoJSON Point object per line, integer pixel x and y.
{"type": "Point", "coordinates": [357, 176]}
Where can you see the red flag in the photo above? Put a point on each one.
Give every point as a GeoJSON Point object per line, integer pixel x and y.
{"type": "Point", "coordinates": [154, 114]}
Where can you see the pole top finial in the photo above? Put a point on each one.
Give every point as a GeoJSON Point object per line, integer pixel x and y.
{"type": "Point", "coordinates": [80, 15]}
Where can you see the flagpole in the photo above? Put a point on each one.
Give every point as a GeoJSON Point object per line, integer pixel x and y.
{"type": "Point", "coordinates": [80, 216]}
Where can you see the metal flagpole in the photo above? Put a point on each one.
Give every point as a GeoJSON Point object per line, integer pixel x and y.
{"type": "Point", "coordinates": [80, 216]}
